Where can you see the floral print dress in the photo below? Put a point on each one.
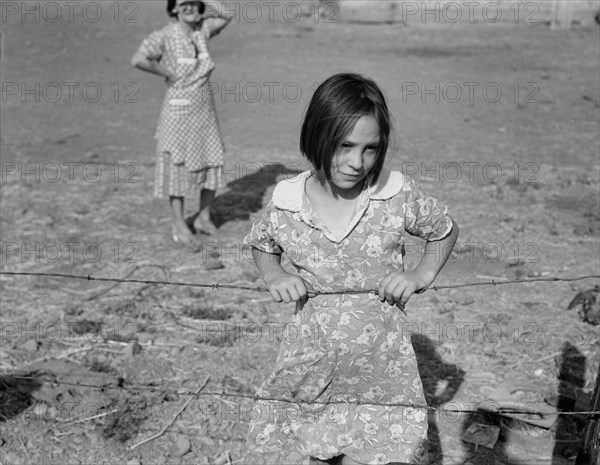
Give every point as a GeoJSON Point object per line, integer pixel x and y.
{"type": "Point", "coordinates": [343, 354]}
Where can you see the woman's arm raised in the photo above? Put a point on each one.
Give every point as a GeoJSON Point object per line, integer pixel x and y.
{"type": "Point", "coordinates": [217, 17]}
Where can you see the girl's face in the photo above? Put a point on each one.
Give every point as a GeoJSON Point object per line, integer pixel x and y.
{"type": "Point", "coordinates": [357, 155]}
{"type": "Point", "coordinates": [188, 11]}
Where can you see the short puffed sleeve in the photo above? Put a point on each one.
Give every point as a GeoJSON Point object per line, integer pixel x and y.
{"type": "Point", "coordinates": [263, 235]}
{"type": "Point", "coordinates": [153, 46]}
{"type": "Point", "coordinates": [425, 217]}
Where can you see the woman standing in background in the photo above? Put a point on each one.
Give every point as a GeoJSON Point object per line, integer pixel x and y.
{"type": "Point", "coordinates": [190, 152]}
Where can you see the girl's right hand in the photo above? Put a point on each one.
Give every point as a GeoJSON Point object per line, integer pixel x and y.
{"type": "Point", "coordinates": [286, 287]}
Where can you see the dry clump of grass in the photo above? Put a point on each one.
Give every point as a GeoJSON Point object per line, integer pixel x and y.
{"type": "Point", "coordinates": [125, 423]}
{"type": "Point", "coordinates": [207, 313]}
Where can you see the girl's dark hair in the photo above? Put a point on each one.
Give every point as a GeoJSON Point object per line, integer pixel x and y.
{"type": "Point", "coordinates": [332, 113]}
{"type": "Point", "coordinates": [171, 6]}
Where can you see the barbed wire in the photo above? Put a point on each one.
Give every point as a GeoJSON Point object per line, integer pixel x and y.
{"type": "Point", "coordinates": [180, 392]}
{"type": "Point", "coordinates": [217, 286]}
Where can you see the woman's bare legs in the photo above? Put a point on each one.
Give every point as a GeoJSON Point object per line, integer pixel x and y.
{"type": "Point", "coordinates": [202, 222]}
{"type": "Point", "coordinates": [181, 231]}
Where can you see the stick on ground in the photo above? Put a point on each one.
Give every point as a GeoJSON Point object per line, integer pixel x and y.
{"type": "Point", "coordinates": [170, 423]}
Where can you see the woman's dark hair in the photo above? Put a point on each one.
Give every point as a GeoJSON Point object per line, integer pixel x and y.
{"type": "Point", "coordinates": [336, 106]}
{"type": "Point", "coordinates": [171, 6]}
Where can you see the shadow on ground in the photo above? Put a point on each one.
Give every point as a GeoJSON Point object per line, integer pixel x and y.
{"type": "Point", "coordinates": [441, 381]}
{"type": "Point", "coordinates": [246, 193]}
{"type": "Point", "coordinates": [15, 395]}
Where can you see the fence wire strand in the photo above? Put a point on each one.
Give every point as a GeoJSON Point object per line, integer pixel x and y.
{"type": "Point", "coordinates": [218, 286]}
{"type": "Point", "coordinates": [187, 393]}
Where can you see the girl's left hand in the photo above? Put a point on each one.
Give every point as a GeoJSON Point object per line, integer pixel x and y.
{"type": "Point", "coordinates": [170, 79]}
{"type": "Point", "coordinates": [396, 288]}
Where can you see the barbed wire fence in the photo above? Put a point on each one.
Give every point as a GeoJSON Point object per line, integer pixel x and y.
{"type": "Point", "coordinates": [217, 286]}
{"type": "Point", "coordinates": [527, 410]}
{"type": "Point", "coordinates": [518, 410]}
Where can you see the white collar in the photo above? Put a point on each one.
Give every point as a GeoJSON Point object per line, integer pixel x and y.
{"type": "Point", "coordinates": [288, 194]}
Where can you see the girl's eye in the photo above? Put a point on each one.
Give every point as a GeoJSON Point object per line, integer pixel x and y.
{"type": "Point", "coordinates": [373, 148]}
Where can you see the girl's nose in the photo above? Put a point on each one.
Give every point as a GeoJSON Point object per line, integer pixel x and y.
{"type": "Point", "coordinates": [355, 160]}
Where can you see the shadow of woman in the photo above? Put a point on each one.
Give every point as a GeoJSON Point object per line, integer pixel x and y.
{"type": "Point", "coordinates": [246, 193]}
{"type": "Point", "coordinates": [571, 376]}
{"type": "Point", "coordinates": [441, 381]}
{"type": "Point", "coordinates": [521, 447]}
{"type": "Point", "coordinates": [589, 449]}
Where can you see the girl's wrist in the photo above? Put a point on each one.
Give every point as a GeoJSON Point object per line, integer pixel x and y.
{"type": "Point", "coordinates": [270, 276]}
{"type": "Point", "coordinates": [428, 278]}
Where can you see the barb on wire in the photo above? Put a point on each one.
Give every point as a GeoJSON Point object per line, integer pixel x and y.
{"type": "Point", "coordinates": [218, 286]}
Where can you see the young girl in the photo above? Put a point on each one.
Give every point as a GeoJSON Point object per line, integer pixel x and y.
{"type": "Point", "coordinates": [342, 226]}
{"type": "Point", "coordinates": [190, 149]}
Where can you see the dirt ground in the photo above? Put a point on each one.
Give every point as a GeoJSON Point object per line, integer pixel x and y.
{"type": "Point", "coordinates": [500, 120]}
